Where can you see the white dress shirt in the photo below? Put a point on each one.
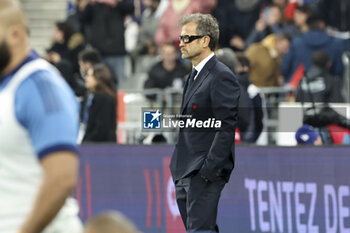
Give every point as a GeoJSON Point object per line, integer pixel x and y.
{"type": "Point", "coordinates": [200, 66]}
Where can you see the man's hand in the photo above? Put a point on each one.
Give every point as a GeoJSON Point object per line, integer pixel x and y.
{"type": "Point", "coordinates": [237, 42]}
{"type": "Point", "coordinates": [260, 24]}
{"type": "Point", "coordinates": [280, 80]}
{"type": "Point", "coordinates": [54, 57]}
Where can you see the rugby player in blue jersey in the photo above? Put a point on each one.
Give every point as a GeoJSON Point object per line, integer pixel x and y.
{"type": "Point", "coordinates": [38, 130]}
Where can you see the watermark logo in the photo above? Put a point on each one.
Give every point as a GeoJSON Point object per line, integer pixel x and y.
{"type": "Point", "coordinates": [152, 119]}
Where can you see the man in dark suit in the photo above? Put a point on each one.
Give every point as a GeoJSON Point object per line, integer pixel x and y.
{"type": "Point", "coordinates": [203, 158]}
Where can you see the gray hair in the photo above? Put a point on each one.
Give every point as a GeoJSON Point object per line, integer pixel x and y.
{"type": "Point", "coordinates": [207, 25]}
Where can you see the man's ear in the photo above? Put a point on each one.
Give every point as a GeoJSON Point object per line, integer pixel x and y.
{"type": "Point", "coordinates": [14, 35]}
{"type": "Point", "coordinates": [206, 41]}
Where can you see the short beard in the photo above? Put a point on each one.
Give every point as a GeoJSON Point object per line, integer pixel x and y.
{"type": "Point", "coordinates": [190, 57]}
{"type": "Point", "coordinates": [5, 57]}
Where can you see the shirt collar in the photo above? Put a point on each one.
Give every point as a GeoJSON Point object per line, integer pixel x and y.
{"type": "Point", "coordinates": [4, 80]}
{"type": "Point", "coordinates": [200, 66]}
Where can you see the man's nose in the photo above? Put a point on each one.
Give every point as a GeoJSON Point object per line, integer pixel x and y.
{"type": "Point", "coordinates": [182, 44]}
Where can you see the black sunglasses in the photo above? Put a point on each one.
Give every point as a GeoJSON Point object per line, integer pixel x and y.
{"type": "Point", "coordinates": [188, 39]}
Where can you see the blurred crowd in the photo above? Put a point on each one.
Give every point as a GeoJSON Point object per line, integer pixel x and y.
{"type": "Point", "coordinates": [267, 43]}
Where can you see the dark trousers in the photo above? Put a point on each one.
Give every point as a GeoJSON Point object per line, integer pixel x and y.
{"type": "Point", "coordinates": [198, 203]}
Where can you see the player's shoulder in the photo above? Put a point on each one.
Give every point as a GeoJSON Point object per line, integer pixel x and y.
{"type": "Point", "coordinates": [49, 75]}
{"type": "Point", "coordinates": [45, 79]}
{"type": "Point", "coordinates": [47, 85]}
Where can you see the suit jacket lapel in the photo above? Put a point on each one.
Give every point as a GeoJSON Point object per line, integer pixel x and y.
{"type": "Point", "coordinates": [197, 83]}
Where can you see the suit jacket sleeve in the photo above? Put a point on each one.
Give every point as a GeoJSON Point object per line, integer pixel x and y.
{"type": "Point", "coordinates": [225, 94]}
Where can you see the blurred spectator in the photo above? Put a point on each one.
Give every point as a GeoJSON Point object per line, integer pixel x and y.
{"type": "Point", "coordinates": [87, 59]}
{"type": "Point", "coordinates": [270, 21]}
{"type": "Point", "coordinates": [90, 57]}
{"type": "Point", "coordinates": [306, 135]}
{"type": "Point", "coordinates": [299, 25]}
{"type": "Point", "coordinates": [280, 3]}
{"type": "Point", "coordinates": [169, 72]}
{"type": "Point", "coordinates": [73, 79]}
{"type": "Point", "coordinates": [255, 102]}
{"type": "Point", "coordinates": [336, 14]}
{"type": "Point", "coordinates": [291, 6]}
{"type": "Point", "coordinates": [236, 20]}
{"type": "Point", "coordinates": [159, 139]}
{"type": "Point", "coordinates": [265, 60]}
{"type": "Point", "coordinates": [333, 127]}
{"type": "Point", "coordinates": [153, 138]}
{"type": "Point", "coordinates": [319, 83]}
{"type": "Point", "coordinates": [250, 114]}
{"type": "Point", "coordinates": [66, 45]}
{"type": "Point", "coordinates": [321, 116]}
{"type": "Point", "coordinates": [229, 58]}
{"type": "Point", "coordinates": [220, 12]}
{"type": "Point", "coordinates": [59, 48]}
{"type": "Point", "coordinates": [303, 47]}
{"type": "Point", "coordinates": [148, 27]}
{"type": "Point", "coordinates": [110, 222]}
{"type": "Point", "coordinates": [104, 20]}
{"type": "Point", "coordinates": [100, 108]}
{"type": "Point", "coordinates": [301, 14]}
{"type": "Point", "coordinates": [131, 33]}
{"type": "Point", "coordinates": [149, 24]}
{"type": "Point", "coordinates": [168, 29]}
{"type": "Point", "coordinates": [337, 135]}
{"type": "Point", "coordinates": [73, 18]}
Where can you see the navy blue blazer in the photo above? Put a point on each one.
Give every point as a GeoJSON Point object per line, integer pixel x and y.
{"type": "Point", "coordinates": [214, 95]}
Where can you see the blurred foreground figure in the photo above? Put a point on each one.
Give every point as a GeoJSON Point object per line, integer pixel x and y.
{"type": "Point", "coordinates": [110, 222]}
{"type": "Point", "coordinates": [38, 130]}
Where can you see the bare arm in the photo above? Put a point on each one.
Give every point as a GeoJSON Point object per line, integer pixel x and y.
{"type": "Point", "coordinates": [59, 180]}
